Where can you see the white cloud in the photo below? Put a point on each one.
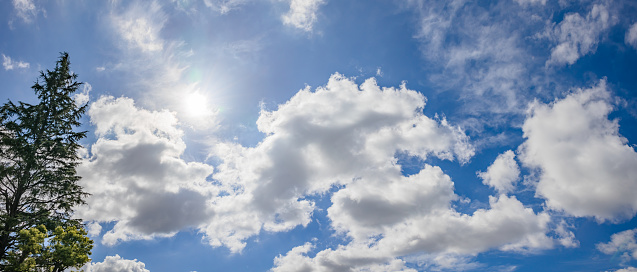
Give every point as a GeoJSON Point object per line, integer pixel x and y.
{"type": "Point", "coordinates": [94, 229]}
{"type": "Point", "coordinates": [82, 97]}
{"type": "Point", "coordinates": [136, 177]}
{"type": "Point", "coordinates": [627, 269]}
{"type": "Point", "coordinates": [302, 14]}
{"type": "Point", "coordinates": [530, 2]}
{"type": "Point", "coordinates": [621, 243]}
{"type": "Point", "coordinates": [631, 36]}
{"type": "Point", "coordinates": [389, 216]}
{"type": "Point", "coordinates": [503, 173]}
{"type": "Point", "coordinates": [577, 36]}
{"type": "Point", "coordinates": [25, 10]}
{"type": "Point", "coordinates": [140, 26]}
{"type": "Point", "coordinates": [379, 72]}
{"type": "Point", "coordinates": [442, 232]}
{"type": "Point", "coordinates": [9, 64]}
{"type": "Point", "coordinates": [586, 167]}
{"type": "Point", "coordinates": [479, 54]}
{"type": "Point", "coordinates": [566, 237]}
{"type": "Point", "coordinates": [116, 264]}
{"type": "Point", "coordinates": [334, 135]}
{"type": "Point", "coordinates": [224, 6]}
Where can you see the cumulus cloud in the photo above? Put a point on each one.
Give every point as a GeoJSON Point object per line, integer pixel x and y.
{"type": "Point", "coordinates": [333, 135]}
{"type": "Point", "coordinates": [388, 215]}
{"type": "Point", "coordinates": [136, 177]}
{"type": "Point", "coordinates": [116, 264]}
{"type": "Point", "coordinates": [302, 14]}
{"type": "Point", "coordinates": [586, 167]}
{"type": "Point", "coordinates": [577, 36]}
{"type": "Point", "coordinates": [631, 36]}
{"type": "Point", "coordinates": [442, 232]}
{"type": "Point", "coordinates": [621, 243]}
{"type": "Point", "coordinates": [503, 173]}
{"type": "Point", "coordinates": [10, 64]}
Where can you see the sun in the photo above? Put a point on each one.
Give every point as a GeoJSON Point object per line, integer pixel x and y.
{"type": "Point", "coordinates": [196, 105]}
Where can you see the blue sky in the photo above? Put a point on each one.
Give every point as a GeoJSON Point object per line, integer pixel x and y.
{"type": "Point", "coordinates": [321, 135]}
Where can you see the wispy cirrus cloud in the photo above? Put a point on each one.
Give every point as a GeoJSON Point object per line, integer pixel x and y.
{"type": "Point", "coordinates": [157, 64]}
{"type": "Point", "coordinates": [26, 10]}
{"type": "Point", "coordinates": [224, 6]}
{"type": "Point", "coordinates": [476, 53]}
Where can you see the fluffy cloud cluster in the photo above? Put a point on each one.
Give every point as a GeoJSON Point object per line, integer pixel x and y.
{"type": "Point", "coordinates": [302, 14]}
{"type": "Point", "coordinates": [623, 243]}
{"type": "Point", "coordinates": [586, 167]}
{"type": "Point", "coordinates": [577, 36]}
{"type": "Point", "coordinates": [344, 135]}
{"type": "Point", "coordinates": [115, 264]}
{"type": "Point", "coordinates": [136, 177]}
{"type": "Point", "coordinates": [10, 64]}
{"type": "Point", "coordinates": [387, 215]}
{"type": "Point", "coordinates": [338, 134]}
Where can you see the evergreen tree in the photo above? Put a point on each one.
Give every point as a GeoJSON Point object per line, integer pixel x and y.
{"type": "Point", "coordinates": [38, 156]}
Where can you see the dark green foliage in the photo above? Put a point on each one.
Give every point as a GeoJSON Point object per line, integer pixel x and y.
{"type": "Point", "coordinates": [38, 156]}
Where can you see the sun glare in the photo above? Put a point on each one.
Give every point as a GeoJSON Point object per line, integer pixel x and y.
{"type": "Point", "coordinates": [196, 105]}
